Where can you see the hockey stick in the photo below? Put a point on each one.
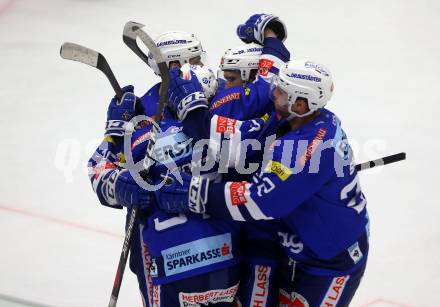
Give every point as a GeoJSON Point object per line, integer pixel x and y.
{"type": "Point", "coordinates": [75, 52]}
{"type": "Point", "coordinates": [381, 161]}
{"type": "Point", "coordinates": [132, 30]}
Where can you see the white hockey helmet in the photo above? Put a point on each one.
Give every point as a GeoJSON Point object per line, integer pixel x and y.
{"type": "Point", "coordinates": [205, 76]}
{"type": "Point", "coordinates": [243, 58]}
{"type": "Point", "coordinates": [176, 46]}
{"type": "Point", "coordinates": [305, 79]}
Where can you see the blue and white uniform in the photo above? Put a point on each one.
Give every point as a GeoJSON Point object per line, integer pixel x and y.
{"type": "Point", "coordinates": [180, 247]}
{"type": "Point", "coordinates": [259, 266]}
{"type": "Point", "coordinates": [311, 186]}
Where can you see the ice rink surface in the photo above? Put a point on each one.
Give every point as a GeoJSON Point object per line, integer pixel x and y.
{"type": "Point", "coordinates": [60, 248]}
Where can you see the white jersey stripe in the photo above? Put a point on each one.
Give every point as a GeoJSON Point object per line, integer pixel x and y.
{"type": "Point", "coordinates": [253, 208]}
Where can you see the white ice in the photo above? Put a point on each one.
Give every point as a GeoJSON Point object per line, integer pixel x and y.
{"type": "Point", "coordinates": [57, 246]}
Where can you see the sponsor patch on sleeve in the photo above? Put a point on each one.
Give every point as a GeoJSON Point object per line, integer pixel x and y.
{"type": "Point", "coordinates": [98, 169]}
{"type": "Point", "coordinates": [283, 172]}
{"type": "Point", "coordinates": [317, 140]}
{"type": "Point", "coordinates": [225, 125]}
{"type": "Point", "coordinates": [265, 117]}
{"type": "Point", "coordinates": [237, 192]}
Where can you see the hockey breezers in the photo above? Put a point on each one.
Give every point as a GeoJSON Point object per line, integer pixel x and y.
{"type": "Point", "coordinates": [75, 52]}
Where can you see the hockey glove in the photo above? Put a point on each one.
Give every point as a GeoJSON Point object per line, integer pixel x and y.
{"type": "Point", "coordinates": [124, 191]}
{"type": "Point", "coordinates": [252, 31]}
{"type": "Point", "coordinates": [191, 196]}
{"type": "Point", "coordinates": [120, 112]}
{"type": "Point", "coordinates": [185, 95]}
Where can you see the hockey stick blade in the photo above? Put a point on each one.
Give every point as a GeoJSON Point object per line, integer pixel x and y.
{"type": "Point", "coordinates": [75, 52]}
{"type": "Point", "coordinates": [381, 161]}
{"type": "Point", "coordinates": [133, 30]}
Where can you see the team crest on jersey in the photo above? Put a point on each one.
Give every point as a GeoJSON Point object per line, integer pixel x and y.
{"type": "Point", "coordinates": [264, 67]}
{"type": "Point", "coordinates": [237, 192]}
{"type": "Point", "coordinates": [225, 125]}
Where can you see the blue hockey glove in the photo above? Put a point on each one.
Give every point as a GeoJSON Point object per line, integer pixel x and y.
{"type": "Point", "coordinates": [120, 112]}
{"type": "Point", "coordinates": [185, 95]}
{"type": "Point", "coordinates": [252, 31]}
{"type": "Point", "coordinates": [191, 196]}
{"type": "Point", "coordinates": [124, 191]}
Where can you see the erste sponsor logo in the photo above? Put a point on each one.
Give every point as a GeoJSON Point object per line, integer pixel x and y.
{"type": "Point", "coordinates": [237, 192]}
{"type": "Point", "coordinates": [225, 125]}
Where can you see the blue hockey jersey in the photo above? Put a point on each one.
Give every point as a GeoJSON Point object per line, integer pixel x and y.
{"type": "Point", "coordinates": [252, 100]}
{"type": "Point", "coordinates": [181, 245]}
{"type": "Point", "coordinates": [310, 184]}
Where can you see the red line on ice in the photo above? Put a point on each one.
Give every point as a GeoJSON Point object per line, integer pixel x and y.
{"type": "Point", "coordinates": [6, 6]}
{"type": "Point", "coordinates": [55, 220]}
{"type": "Point", "coordinates": [380, 300]}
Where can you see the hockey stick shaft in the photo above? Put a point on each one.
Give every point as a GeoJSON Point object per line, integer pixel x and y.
{"type": "Point", "coordinates": [75, 52]}
{"type": "Point", "coordinates": [132, 30]}
{"type": "Point", "coordinates": [123, 258]}
{"type": "Point", "coordinates": [381, 161]}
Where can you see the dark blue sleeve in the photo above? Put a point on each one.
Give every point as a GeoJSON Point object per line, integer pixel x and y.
{"type": "Point", "coordinates": [197, 124]}
{"type": "Point", "coordinates": [265, 196]}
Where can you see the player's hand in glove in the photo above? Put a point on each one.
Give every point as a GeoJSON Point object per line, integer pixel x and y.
{"type": "Point", "coordinates": [121, 111]}
{"type": "Point", "coordinates": [185, 95]}
{"type": "Point", "coordinates": [252, 31]}
{"type": "Point", "coordinates": [124, 191]}
{"type": "Point", "coordinates": [191, 196]}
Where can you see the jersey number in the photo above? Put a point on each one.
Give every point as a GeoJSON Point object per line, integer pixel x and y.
{"type": "Point", "coordinates": [168, 223]}
{"type": "Point", "coordinates": [354, 203]}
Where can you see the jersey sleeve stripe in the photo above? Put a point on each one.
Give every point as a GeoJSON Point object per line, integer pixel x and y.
{"type": "Point", "coordinates": [253, 208]}
{"type": "Point", "coordinates": [233, 209]}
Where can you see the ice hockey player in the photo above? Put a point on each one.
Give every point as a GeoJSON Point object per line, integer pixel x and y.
{"type": "Point", "coordinates": [239, 65]}
{"type": "Point", "coordinates": [178, 259]}
{"type": "Point", "coordinates": [246, 96]}
{"type": "Point", "coordinates": [309, 185]}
